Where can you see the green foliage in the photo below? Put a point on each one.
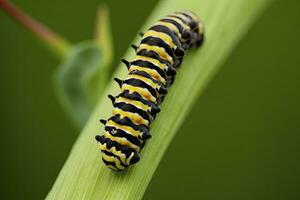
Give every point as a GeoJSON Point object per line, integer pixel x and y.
{"type": "Point", "coordinates": [83, 75]}
{"type": "Point", "coordinates": [84, 176]}
{"type": "Point", "coordinates": [72, 80]}
{"type": "Point", "coordinates": [81, 78]}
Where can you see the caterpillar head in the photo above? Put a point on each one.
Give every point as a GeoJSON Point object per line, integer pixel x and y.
{"type": "Point", "coordinates": [198, 33]}
{"type": "Point", "coordinates": [196, 28]}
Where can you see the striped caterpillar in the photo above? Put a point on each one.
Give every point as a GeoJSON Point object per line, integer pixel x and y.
{"type": "Point", "coordinates": [150, 73]}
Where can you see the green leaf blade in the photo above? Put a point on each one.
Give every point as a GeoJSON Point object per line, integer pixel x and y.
{"type": "Point", "coordinates": [71, 81]}
{"type": "Point", "coordinates": [82, 77]}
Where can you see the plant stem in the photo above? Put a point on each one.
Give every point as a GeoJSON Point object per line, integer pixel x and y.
{"type": "Point", "coordinates": [56, 42]}
{"type": "Point", "coordinates": [84, 176]}
{"type": "Point", "coordinates": [103, 35]}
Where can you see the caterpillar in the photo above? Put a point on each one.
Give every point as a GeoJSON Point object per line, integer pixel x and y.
{"type": "Point", "coordinates": [151, 72]}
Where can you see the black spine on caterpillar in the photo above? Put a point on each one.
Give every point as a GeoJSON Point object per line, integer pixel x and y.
{"type": "Point", "coordinates": [151, 72]}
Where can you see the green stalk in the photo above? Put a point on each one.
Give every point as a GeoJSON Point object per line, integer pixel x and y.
{"type": "Point", "coordinates": [53, 40]}
{"type": "Point", "coordinates": [103, 35]}
{"type": "Point", "coordinates": [84, 176]}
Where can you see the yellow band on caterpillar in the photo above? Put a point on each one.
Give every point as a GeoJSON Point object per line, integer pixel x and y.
{"type": "Point", "coordinates": [146, 80]}
{"type": "Point", "coordinates": [165, 37]}
{"type": "Point", "coordinates": [138, 104]}
{"type": "Point", "coordinates": [152, 72]}
{"type": "Point", "coordinates": [137, 119]}
{"type": "Point", "coordinates": [159, 50]}
{"type": "Point", "coordinates": [127, 129]}
{"type": "Point", "coordinates": [152, 60]}
{"type": "Point", "coordinates": [143, 92]}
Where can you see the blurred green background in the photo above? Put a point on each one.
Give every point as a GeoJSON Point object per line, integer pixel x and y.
{"type": "Point", "coordinates": [242, 136]}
